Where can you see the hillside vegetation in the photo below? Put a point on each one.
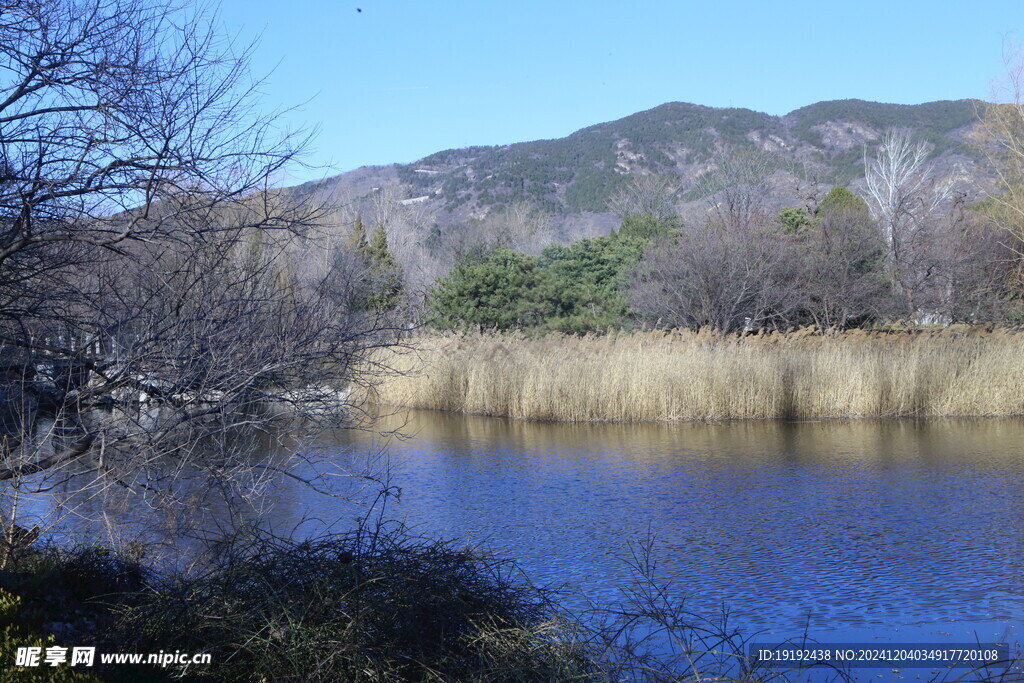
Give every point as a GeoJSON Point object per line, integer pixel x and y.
{"type": "Point", "coordinates": [434, 206]}
{"type": "Point", "coordinates": [578, 173]}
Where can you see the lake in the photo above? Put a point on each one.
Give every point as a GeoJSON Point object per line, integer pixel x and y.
{"type": "Point", "coordinates": [853, 530]}
{"type": "Point", "coordinates": [895, 531]}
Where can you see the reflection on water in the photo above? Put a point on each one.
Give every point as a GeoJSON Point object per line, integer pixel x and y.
{"type": "Point", "coordinates": [873, 525]}
{"type": "Point", "coordinates": [176, 505]}
{"type": "Point", "coordinates": [902, 530]}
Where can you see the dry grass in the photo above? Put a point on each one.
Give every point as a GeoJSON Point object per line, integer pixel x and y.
{"type": "Point", "coordinates": [657, 376]}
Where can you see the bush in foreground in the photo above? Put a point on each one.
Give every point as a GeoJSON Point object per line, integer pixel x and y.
{"type": "Point", "coordinates": [372, 605]}
{"type": "Point", "coordinates": [62, 598]}
{"type": "Point", "coordinates": [361, 606]}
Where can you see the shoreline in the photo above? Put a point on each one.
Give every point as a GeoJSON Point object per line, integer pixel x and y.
{"type": "Point", "coordinates": [705, 421]}
{"type": "Point", "coordinates": [684, 376]}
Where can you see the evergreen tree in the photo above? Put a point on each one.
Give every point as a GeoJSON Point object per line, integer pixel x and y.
{"type": "Point", "coordinates": [378, 251]}
{"type": "Point", "coordinates": [357, 240]}
{"type": "Point", "coordinates": [795, 220]}
{"type": "Point", "coordinates": [385, 272]}
{"type": "Point", "coordinates": [840, 199]}
{"type": "Point", "coordinates": [574, 289]}
{"type": "Point", "coordinates": [646, 226]}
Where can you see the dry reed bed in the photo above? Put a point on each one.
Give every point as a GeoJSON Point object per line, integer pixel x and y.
{"type": "Point", "coordinates": [657, 376]}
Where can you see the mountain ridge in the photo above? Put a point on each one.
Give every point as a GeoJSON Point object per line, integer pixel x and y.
{"type": "Point", "coordinates": [571, 178]}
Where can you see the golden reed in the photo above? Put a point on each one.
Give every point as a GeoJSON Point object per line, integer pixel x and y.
{"type": "Point", "coordinates": [656, 376]}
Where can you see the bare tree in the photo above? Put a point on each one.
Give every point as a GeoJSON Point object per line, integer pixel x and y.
{"type": "Point", "coordinates": [907, 200]}
{"type": "Point", "coordinates": [519, 226]}
{"type": "Point", "coordinates": [387, 205]}
{"type": "Point", "coordinates": [902, 187]}
{"type": "Point", "coordinates": [719, 277]}
{"type": "Point", "coordinates": [732, 273]}
{"type": "Point", "coordinates": [1002, 141]}
{"type": "Point", "coordinates": [646, 194]}
{"type": "Point", "coordinates": [150, 311]}
{"type": "Point", "coordinates": [841, 265]}
{"type": "Point", "coordinates": [737, 188]}
{"type": "Point", "coordinates": [980, 281]}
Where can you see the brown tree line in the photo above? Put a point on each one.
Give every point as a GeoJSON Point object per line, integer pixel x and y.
{"type": "Point", "coordinates": [909, 252]}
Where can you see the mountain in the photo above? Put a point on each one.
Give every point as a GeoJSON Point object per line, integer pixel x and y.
{"type": "Point", "coordinates": [572, 177]}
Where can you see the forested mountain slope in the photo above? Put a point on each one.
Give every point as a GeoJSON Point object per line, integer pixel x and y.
{"type": "Point", "coordinates": [572, 178]}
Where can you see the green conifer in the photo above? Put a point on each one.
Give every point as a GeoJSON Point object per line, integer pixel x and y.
{"type": "Point", "coordinates": [387, 274]}
{"type": "Point", "coordinates": [357, 240]}
{"type": "Point", "coordinates": [378, 250]}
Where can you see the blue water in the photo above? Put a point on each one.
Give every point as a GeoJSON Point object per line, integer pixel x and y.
{"type": "Point", "coordinates": [846, 531]}
{"type": "Point", "coordinates": [849, 531]}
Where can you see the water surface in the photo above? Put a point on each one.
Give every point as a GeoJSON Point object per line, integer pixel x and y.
{"type": "Point", "coordinates": [850, 531]}
{"type": "Point", "coordinates": [897, 530]}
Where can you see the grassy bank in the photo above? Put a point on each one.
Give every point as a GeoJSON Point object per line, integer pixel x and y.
{"type": "Point", "coordinates": [655, 376]}
{"type": "Point", "coordinates": [371, 605]}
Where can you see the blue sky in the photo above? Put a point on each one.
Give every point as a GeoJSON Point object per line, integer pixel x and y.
{"type": "Point", "coordinates": [402, 79]}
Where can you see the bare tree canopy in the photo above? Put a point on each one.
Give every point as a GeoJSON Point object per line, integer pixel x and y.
{"type": "Point", "coordinates": [728, 274]}
{"type": "Point", "coordinates": [153, 308]}
{"type": "Point", "coordinates": [738, 187]}
{"type": "Point", "coordinates": [902, 186]}
{"type": "Point", "coordinates": [841, 264]}
{"type": "Point", "coordinates": [113, 106]}
{"type": "Point", "coordinates": [727, 279]}
{"type": "Point", "coordinates": [1002, 140]}
{"type": "Point", "coordinates": [910, 204]}
{"type": "Point", "coordinates": [646, 194]}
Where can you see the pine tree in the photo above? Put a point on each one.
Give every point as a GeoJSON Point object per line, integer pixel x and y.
{"type": "Point", "coordinates": [387, 274]}
{"type": "Point", "coordinates": [840, 199]}
{"type": "Point", "coordinates": [378, 251]}
{"type": "Point", "coordinates": [357, 240]}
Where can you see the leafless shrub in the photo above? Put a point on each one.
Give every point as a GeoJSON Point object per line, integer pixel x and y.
{"type": "Point", "coordinates": [717, 276]}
